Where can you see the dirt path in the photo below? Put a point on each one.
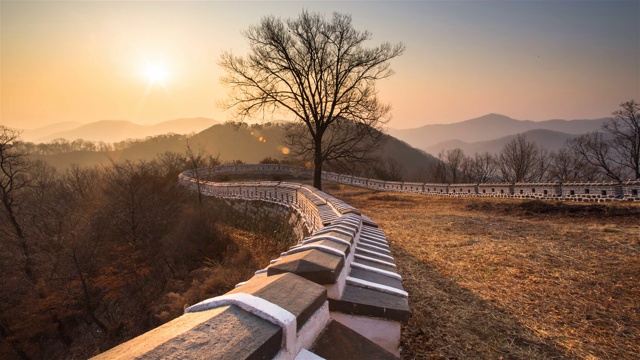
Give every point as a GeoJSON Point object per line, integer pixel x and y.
{"type": "Point", "coordinates": [512, 279]}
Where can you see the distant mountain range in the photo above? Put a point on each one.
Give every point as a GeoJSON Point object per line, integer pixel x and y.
{"type": "Point", "coordinates": [548, 139]}
{"type": "Point", "coordinates": [487, 128]}
{"type": "Point", "coordinates": [114, 130]}
{"type": "Point", "coordinates": [253, 143]}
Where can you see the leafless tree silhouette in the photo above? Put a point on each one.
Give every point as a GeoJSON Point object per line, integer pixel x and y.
{"type": "Point", "coordinates": [315, 69]}
{"type": "Point", "coordinates": [616, 150]}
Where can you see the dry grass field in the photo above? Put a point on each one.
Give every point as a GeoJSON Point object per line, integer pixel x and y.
{"type": "Point", "coordinates": [512, 279]}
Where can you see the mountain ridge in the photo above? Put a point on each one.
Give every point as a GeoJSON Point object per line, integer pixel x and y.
{"type": "Point", "coordinates": [115, 130]}
{"type": "Point", "coordinates": [548, 139]}
{"type": "Point", "coordinates": [229, 142]}
{"type": "Point", "coordinates": [489, 127]}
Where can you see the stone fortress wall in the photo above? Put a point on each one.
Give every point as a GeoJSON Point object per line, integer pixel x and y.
{"type": "Point", "coordinates": [337, 293]}
{"type": "Point", "coordinates": [572, 191]}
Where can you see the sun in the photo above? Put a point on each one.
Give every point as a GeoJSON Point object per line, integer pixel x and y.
{"type": "Point", "coordinates": [156, 74]}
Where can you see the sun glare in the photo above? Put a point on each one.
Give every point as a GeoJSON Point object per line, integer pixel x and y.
{"type": "Point", "coordinates": [156, 74]}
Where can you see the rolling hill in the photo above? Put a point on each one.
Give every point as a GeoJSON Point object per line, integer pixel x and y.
{"type": "Point", "coordinates": [115, 130]}
{"type": "Point", "coordinates": [249, 144]}
{"type": "Point", "coordinates": [486, 128]}
{"type": "Point", "coordinates": [34, 134]}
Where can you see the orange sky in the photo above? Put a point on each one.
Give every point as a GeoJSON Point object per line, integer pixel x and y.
{"type": "Point", "coordinates": [73, 61]}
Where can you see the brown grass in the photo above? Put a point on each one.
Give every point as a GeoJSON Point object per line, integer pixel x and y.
{"type": "Point", "coordinates": [512, 279]}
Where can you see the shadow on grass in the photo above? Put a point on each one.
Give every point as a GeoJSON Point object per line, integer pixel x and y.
{"type": "Point", "coordinates": [450, 322]}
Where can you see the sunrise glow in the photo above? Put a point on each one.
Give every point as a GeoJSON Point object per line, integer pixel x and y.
{"type": "Point", "coordinates": [156, 74]}
{"type": "Point", "coordinates": [90, 61]}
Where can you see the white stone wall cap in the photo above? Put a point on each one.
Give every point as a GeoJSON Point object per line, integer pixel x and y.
{"type": "Point", "coordinates": [323, 248]}
{"type": "Point", "coordinates": [339, 229]}
{"type": "Point", "coordinates": [367, 258]}
{"type": "Point", "coordinates": [386, 273]}
{"type": "Point", "coordinates": [375, 286]}
{"type": "Point", "coordinates": [370, 238]}
{"type": "Point", "coordinates": [256, 306]}
{"type": "Point", "coordinates": [375, 232]}
{"type": "Point", "coordinates": [240, 284]}
{"type": "Point", "coordinates": [376, 246]}
{"type": "Point", "coordinates": [327, 237]}
{"type": "Point", "coordinates": [348, 221]}
{"type": "Point", "coordinates": [370, 252]}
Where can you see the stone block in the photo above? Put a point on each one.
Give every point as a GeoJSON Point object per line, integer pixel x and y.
{"type": "Point", "coordinates": [368, 302]}
{"type": "Point", "coordinates": [340, 342]}
{"type": "Point", "coordinates": [313, 265]}
{"type": "Point", "coordinates": [291, 292]}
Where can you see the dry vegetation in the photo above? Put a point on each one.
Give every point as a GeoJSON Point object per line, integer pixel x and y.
{"type": "Point", "coordinates": [512, 279]}
{"type": "Point", "coordinates": [95, 256]}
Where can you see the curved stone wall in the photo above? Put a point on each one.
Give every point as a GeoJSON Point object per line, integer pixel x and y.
{"type": "Point", "coordinates": [336, 294]}
{"type": "Point", "coordinates": [572, 191]}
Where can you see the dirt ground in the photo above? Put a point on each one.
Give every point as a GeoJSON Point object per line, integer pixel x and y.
{"type": "Point", "coordinates": [512, 279]}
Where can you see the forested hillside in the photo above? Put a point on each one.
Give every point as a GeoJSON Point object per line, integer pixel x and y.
{"type": "Point", "coordinates": [395, 160]}
{"type": "Point", "coordinates": [94, 256]}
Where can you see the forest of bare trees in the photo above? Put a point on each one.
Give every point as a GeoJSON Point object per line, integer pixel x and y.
{"type": "Point", "coordinates": [94, 256]}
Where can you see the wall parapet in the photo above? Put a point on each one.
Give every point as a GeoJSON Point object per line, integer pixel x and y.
{"type": "Point", "coordinates": [335, 294]}
{"type": "Point", "coordinates": [569, 191]}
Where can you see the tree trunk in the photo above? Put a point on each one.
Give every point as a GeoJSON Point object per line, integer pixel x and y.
{"type": "Point", "coordinates": [87, 297]}
{"type": "Point", "coordinates": [199, 189]}
{"type": "Point", "coordinates": [317, 163]}
{"type": "Point", "coordinates": [28, 268]}
{"type": "Point", "coordinates": [7, 335]}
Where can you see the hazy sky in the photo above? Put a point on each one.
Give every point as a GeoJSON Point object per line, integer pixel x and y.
{"type": "Point", "coordinates": [536, 60]}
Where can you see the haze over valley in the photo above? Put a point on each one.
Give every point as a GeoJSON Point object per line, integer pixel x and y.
{"type": "Point", "coordinates": [487, 133]}
{"type": "Point", "coordinates": [114, 130]}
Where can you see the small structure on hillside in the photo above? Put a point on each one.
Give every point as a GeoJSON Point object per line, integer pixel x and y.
{"type": "Point", "coordinates": [630, 190]}
{"type": "Point", "coordinates": [412, 187]}
{"type": "Point", "coordinates": [436, 189]}
{"type": "Point", "coordinates": [592, 191]}
{"type": "Point", "coordinates": [463, 190]}
{"type": "Point", "coordinates": [548, 190]}
{"type": "Point", "coordinates": [501, 190]}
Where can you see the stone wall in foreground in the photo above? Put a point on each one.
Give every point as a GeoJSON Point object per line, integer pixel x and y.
{"type": "Point", "coordinates": [334, 295]}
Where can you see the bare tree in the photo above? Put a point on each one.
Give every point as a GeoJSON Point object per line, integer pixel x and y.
{"type": "Point", "coordinates": [482, 167]}
{"type": "Point", "coordinates": [616, 150]}
{"type": "Point", "coordinates": [345, 144]}
{"type": "Point", "coordinates": [14, 179]}
{"type": "Point", "coordinates": [625, 129]}
{"type": "Point", "coordinates": [543, 164]}
{"type": "Point", "coordinates": [388, 170]}
{"type": "Point", "coordinates": [567, 165]}
{"type": "Point", "coordinates": [520, 160]}
{"type": "Point", "coordinates": [438, 169]}
{"type": "Point", "coordinates": [455, 159]}
{"type": "Point", "coordinates": [195, 158]}
{"type": "Point", "coordinates": [14, 170]}
{"type": "Point", "coordinates": [316, 70]}
{"type": "Point", "coordinates": [597, 151]}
